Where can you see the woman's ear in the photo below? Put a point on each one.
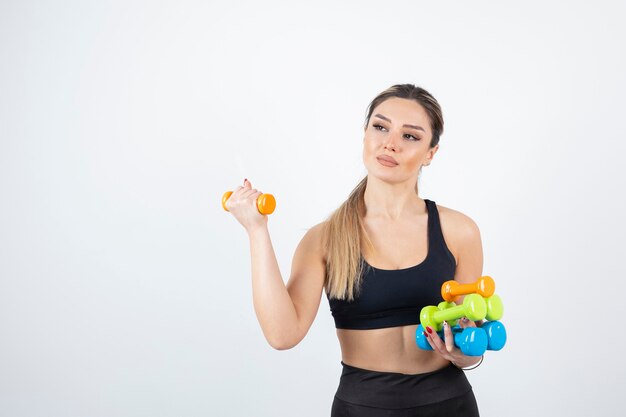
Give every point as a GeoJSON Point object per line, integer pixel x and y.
{"type": "Point", "coordinates": [432, 152]}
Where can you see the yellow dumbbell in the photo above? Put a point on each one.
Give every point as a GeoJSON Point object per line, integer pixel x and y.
{"type": "Point", "coordinates": [265, 203]}
{"type": "Point", "coordinates": [451, 290]}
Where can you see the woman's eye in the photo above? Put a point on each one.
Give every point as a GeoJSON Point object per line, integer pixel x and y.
{"type": "Point", "coordinates": [380, 127]}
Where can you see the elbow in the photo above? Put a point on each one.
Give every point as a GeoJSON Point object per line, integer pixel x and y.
{"type": "Point", "coordinates": [284, 340]}
{"type": "Point", "coordinates": [282, 345]}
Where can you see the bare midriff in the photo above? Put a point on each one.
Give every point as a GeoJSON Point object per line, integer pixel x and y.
{"type": "Point", "coordinates": [390, 349]}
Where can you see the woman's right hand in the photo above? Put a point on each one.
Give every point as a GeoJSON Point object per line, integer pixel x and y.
{"type": "Point", "coordinates": [242, 204]}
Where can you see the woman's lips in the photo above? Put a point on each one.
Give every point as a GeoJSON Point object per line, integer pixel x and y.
{"type": "Point", "coordinates": [386, 162]}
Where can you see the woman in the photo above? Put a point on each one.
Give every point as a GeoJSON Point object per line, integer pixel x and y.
{"type": "Point", "coordinates": [380, 257]}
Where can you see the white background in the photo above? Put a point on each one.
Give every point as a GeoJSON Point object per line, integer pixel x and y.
{"type": "Point", "coordinates": [125, 289]}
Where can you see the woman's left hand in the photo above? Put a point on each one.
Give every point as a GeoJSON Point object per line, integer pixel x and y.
{"type": "Point", "coordinates": [446, 347]}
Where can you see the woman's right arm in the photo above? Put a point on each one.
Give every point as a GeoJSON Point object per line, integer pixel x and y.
{"type": "Point", "coordinates": [286, 312]}
{"type": "Point", "coordinates": [273, 306]}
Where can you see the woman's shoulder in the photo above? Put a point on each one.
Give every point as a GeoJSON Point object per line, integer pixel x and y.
{"type": "Point", "coordinates": [456, 227]}
{"type": "Point", "coordinates": [456, 217]}
{"type": "Point", "coordinates": [317, 230]}
{"type": "Point", "coordinates": [314, 238]}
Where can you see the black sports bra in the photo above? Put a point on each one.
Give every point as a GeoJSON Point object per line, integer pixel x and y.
{"type": "Point", "coordinates": [395, 297]}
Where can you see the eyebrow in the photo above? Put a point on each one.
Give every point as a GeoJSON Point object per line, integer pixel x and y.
{"type": "Point", "coordinates": [405, 125]}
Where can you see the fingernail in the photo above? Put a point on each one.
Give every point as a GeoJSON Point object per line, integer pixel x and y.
{"type": "Point", "coordinates": [445, 323]}
{"type": "Point", "coordinates": [244, 180]}
{"type": "Point", "coordinates": [425, 334]}
{"type": "Point", "coordinates": [429, 329]}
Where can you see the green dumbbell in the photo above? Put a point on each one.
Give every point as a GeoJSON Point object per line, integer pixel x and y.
{"type": "Point", "coordinates": [474, 308]}
{"type": "Point", "coordinates": [495, 308]}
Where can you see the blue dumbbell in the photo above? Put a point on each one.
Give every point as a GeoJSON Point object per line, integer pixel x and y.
{"type": "Point", "coordinates": [496, 334]}
{"type": "Point", "coordinates": [472, 340]}
{"type": "Point", "coordinates": [494, 330]}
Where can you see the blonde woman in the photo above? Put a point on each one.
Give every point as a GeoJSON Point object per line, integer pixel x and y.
{"type": "Point", "coordinates": [380, 257]}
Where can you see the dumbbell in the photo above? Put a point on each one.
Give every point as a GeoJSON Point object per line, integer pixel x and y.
{"type": "Point", "coordinates": [484, 286]}
{"type": "Point", "coordinates": [494, 331]}
{"type": "Point", "coordinates": [472, 340]}
{"type": "Point", "coordinates": [495, 308]}
{"type": "Point", "coordinates": [265, 203]}
{"type": "Point", "coordinates": [474, 308]}
{"type": "Point", "coordinates": [496, 334]}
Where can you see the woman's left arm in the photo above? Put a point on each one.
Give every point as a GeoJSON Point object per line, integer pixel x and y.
{"type": "Point", "coordinates": [469, 268]}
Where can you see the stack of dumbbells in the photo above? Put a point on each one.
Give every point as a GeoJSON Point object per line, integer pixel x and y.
{"type": "Point", "coordinates": [480, 303]}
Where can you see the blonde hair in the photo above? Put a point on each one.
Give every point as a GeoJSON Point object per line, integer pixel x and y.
{"type": "Point", "coordinates": [343, 231]}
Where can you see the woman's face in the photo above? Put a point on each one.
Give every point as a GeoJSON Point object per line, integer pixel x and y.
{"type": "Point", "coordinates": [398, 128]}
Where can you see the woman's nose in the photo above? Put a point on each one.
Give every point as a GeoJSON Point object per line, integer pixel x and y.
{"type": "Point", "coordinates": [392, 142]}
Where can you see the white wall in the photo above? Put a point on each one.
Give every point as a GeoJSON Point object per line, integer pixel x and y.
{"type": "Point", "coordinates": [125, 289]}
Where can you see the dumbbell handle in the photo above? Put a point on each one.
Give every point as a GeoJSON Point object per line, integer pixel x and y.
{"type": "Point", "coordinates": [484, 286]}
{"type": "Point", "coordinates": [266, 203]}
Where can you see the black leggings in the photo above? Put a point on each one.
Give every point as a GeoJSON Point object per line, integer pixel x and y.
{"type": "Point", "coordinates": [367, 393]}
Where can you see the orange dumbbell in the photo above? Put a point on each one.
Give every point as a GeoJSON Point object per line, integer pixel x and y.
{"type": "Point", "coordinates": [265, 203]}
{"type": "Point", "coordinates": [484, 286]}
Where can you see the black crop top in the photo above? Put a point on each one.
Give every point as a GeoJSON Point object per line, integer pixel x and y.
{"type": "Point", "coordinates": [395, 297]}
